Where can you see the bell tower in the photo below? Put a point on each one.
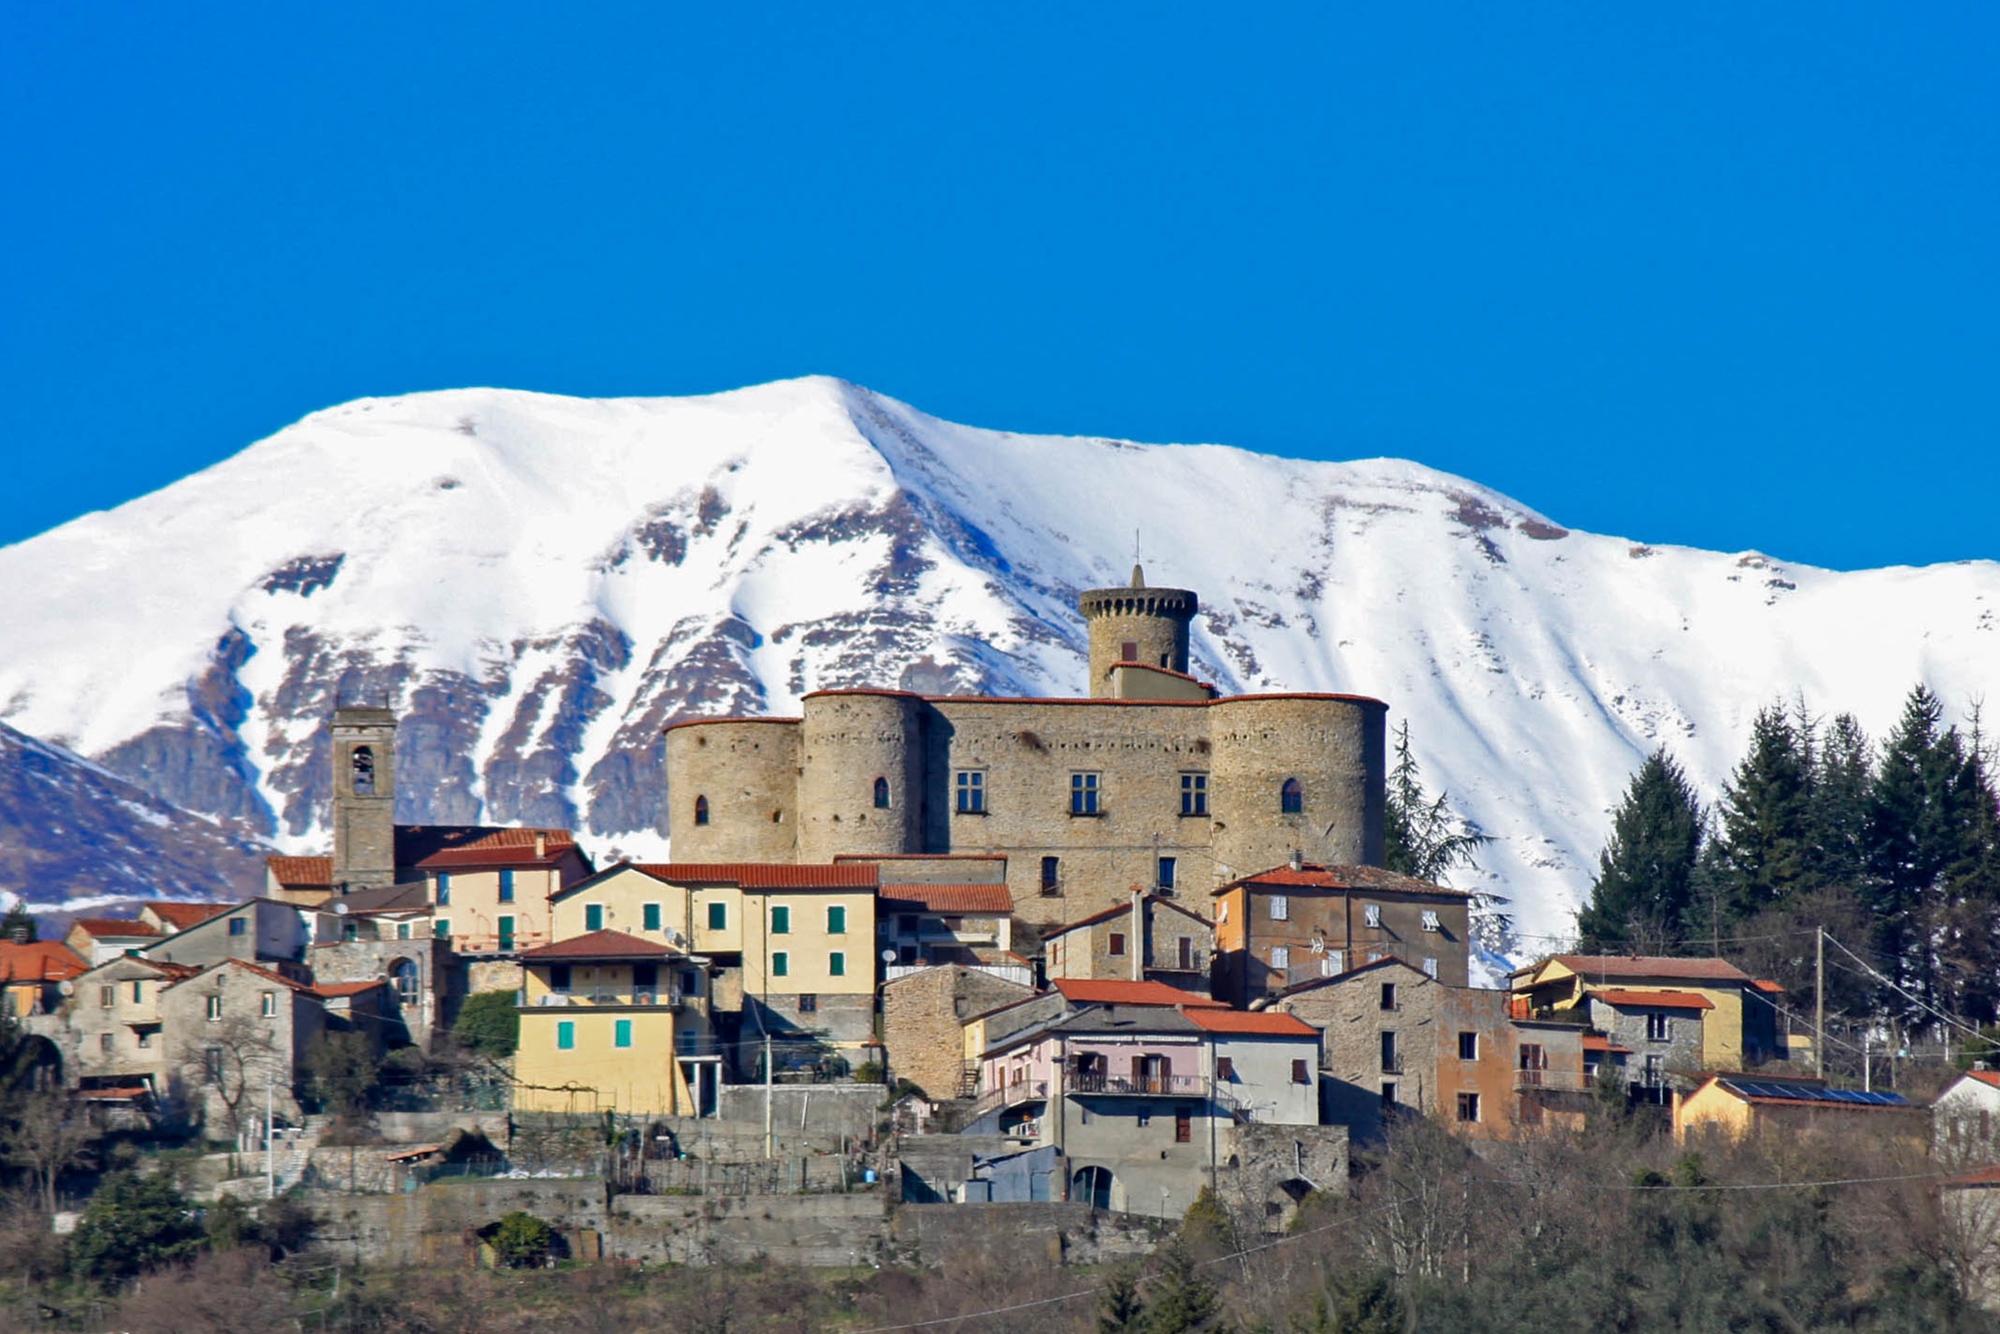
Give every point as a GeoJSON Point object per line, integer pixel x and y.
{"type": "Point", "coordinates": [1136, 624]}
{"type": "Point", "coordinates": [364, 799]}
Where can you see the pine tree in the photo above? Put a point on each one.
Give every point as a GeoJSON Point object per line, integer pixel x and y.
{"type": "Point", "coordinates": [1120, 1309]}
{"type": "Point", "coordinates": [19, 925]}
{"type": "Point", "coordinates": [1421, 835]}
{"type": "Point", "coordinates": [1644, 896]}
{"type": "Point", "coordinates": [1764, 853]}
{"type": "Point", "coordinates": [1844, 776]}
{"type": "Point", "coordinates": [1183, 1301]}
{"type": "Point", "coordinates": [1912, 811]}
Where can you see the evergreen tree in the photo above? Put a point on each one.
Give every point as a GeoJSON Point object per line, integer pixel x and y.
{"type": "Point", "coordinates": [1644, 896]}
{"type": "Point", "coordinates": [1421, 835]}
{"type": "Point", "coordinates": [19, 925]}
{"type": "Point", "coordinates": [1120, 1309]}
{"type": "Point", "coordinates": [1916, 811]}
{"type": "Point", "coordinates": [1842, 780]}
{"type": "Point", "coordinates": [132, 1224]}
{"type": "Point", "coordinates": [1765, 851]}
{"type": "Point", "coordinates": [1183, 1301]}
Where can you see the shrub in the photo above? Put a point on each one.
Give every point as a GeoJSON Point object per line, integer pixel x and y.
{"type": "Point", "coordinates": [132, 1224]}
{"type": "Point", "coordinates": [489, 1024]}
{"type": "Point", "coordinates": [520, 1239]}
{"type": "Point", "coordinates": [345, 1069]}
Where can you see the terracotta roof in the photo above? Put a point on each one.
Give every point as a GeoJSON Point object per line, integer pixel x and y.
{"type": "Point", "coordinates": [112, 926]}
{"type": "Point", "coordinates": [1124, 664]}
{"type": "Point", "coordinates": [1989, 1078]}
{"type": "Point", "coordinates": [1264, 1022]}
{"type": "Point", "coordinates": [1766, 985]}
{"type": "Point", "coordinates": [1657, 1000]}
{"type": "Point", "coordinates": [1123, 910]}
{"type": "Point", "coordinates": [1312, 875]}
{"type": "Point", "coordinates": [606, 944]}
{"type": "Point", "coordinates": [410, 896]}
{"type": "Point", "coordinates": [1984, 1176]}
{"type": "Point", "coordinates": [181, 916]}
{"type": "Point", "coordinates": [39, 961]}
{"type": "Point", "coordinates": [304, 872]}
{"type": "Point", "coordinates": [1595, 1042]}
{"type": "Point", "coordinates": [1636, 967]}
{"type": "Point", "coordinates": [346, 988]}
{"type": "Point", "coordinates": [1092, 991]}
{"type": "Point", "coordinates": [463, 847]}
{"type": "Point", "coordinates": [766, 875]}
{"type": "Point", "coordinates": [946, 898]}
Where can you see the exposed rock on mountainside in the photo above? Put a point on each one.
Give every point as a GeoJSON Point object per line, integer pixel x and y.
{"type": "Point", "coordinates": [540, 584]}
{"type": "Point", "coordinates": [70, 830]}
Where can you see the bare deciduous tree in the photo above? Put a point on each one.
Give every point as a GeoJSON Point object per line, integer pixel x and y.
{"type": "Point", "coordinates": [50, 1134]}
{"type": "Point", "coordinates": [234, 1058]}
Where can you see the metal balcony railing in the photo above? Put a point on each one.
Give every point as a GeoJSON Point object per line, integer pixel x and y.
{"type": "Point", "coordinates": [661, 999]}
{"type": "Point", "coordinates": [1164, 1086]}
{"type": "Point", "coordinates": [1559, 1081]}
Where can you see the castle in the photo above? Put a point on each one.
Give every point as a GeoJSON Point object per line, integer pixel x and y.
{"type": "Point", "coordinates": [1153, 780]}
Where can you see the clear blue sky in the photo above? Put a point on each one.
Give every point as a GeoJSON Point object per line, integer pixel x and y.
{"type": "Point", "coordinates": [1682, 273]}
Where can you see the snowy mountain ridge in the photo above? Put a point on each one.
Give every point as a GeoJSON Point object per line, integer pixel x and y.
{"type": "Point", "coordinates": [539, 584]}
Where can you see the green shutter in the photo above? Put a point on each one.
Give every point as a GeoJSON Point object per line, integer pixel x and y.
{"type": "Point", "coordinates": [836, 921]}
{"type": "Point", "coordinates": [780, 964]}
{"type": "Point", "coordinates": [781, 921]}
{"type": "Point", "coordinates": [565, 1035]}
{"type": "Point", "coordinates": [836, 964]}
{"type": "Point", "coordinates": [652, 917]}
{"type": "Point", "coordinates": [593, 917]}
{"type": "Point", "coordinates": [718, 917]}
{"type": "Point", "coordinates": [441, 928]}
{"type": "Point", "coordinates": [621, 1033]}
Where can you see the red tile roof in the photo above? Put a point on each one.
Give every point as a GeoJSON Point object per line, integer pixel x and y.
{"type": "Point", "coordinates": [1312, 875]}
{"type": "Point", "coordinates": [1657, 1000]}
{"type": "Point", "coordinates": [302, 872]}
{"type": "Point", "coordinates": [473, 847]}
{"type": "Point", "coordinates": [1990, 1078]}
{"type": "Point", "coordinates": [346, 988]}
{"type": "Point", "coordinates": [1638, 967]}
{"type": "Point", "coordinates": [1594, 1042]}
{"type": "Point", "coordinates": [993, 899]}
{"type": "Point", "coordinates": [112, 926]}
{"type": "Point", "coordinates": [1259, 1022]}
{"type": "Point", "coordinates": [766, 875]}
{"type": "Point", "coordinates": [181, 916]}
{"type": "Point", "coordinates": [606, 944]}
{"type": "Point", "coordinates": [1766, 985]}
{"type": "Point", "coordinates": [1093, 991]}
{"type": "Point", "coordinates": [39, 961]}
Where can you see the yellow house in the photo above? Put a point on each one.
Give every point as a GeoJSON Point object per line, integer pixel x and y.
{"type": "Point", "coordinates": [1733, 1106]}
{"type": "Point", "coordinates": [634, 900]}
{"type": "Point", "coordinates": [1739, 1030]}
{"type": "Point", "coordinates": [614, 1022]}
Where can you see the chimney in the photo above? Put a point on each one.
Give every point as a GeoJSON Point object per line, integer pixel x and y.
{"type": "Point", "coordinates": [1298, 860]}
{"type": "Point", "coordinates": [541, 845]}
{"type": "Point", "coordinates": [1138, 934]}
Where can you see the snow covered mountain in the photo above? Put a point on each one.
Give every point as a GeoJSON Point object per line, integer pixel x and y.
{"type": "Point", "coordinates": [76, 835]}
{"type": "Point", "coordinates": [539, 584]}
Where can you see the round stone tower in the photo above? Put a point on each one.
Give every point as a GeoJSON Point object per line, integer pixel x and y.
{"type": "Point", "coordinates": [861, 780]}
{"type": "Point", "coordinates": [1297, 772]}
{"type": "Point", "coordinates": [732, 789]}
{"type": "Point", "coordinates": [1136, 624]}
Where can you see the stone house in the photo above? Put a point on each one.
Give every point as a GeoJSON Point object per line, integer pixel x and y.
{"type": "Point", "coordinates": [1150, 937]}
{"type": "Point", "coordinates": [229, 1032]}
{"type": "Point", "coordinates": [259, 931]}
{"type": "Point", "coordinates": [924, 1014]}
{"type": "Point", "coordinates": [1398, 1041]}
{"type": "Point", "coordinates": [1660, 1035]}
{"type": "Point", "coordinates": [1738, 1027]}
{"type": "Point", "coordinates": [1151, 780]}
{"type": "Point", "coordinates": [614, 1022]}
{"type": "Point", "coordinates": [1278, 928]}
{"type": "Point", "coordinates": [112, 1028]}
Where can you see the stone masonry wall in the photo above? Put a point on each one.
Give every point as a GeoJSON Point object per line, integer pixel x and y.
{"type": "Point", "coordinates": [922, 1018]}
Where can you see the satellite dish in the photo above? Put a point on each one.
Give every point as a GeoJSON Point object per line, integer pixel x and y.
{"type": "Point", "coordinates": [66, 987]}
{"type": "Point", "coordinates": [340, 908]}
{"type": "Point", "coordinates": [888, 956]}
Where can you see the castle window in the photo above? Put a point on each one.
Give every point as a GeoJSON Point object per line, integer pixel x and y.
{"type": "Point", "coordinates": [701, 810]}
{"type": "Point", "coordinates": [362, 761]}
{"type": "Point", "coordinates": [1165, 878]}
{"type": "Point", "coordinates": [970, 786]}
{"type": "Point", "coordinates": [506, 886]}
{"type": "Point", "coordinates": [881, 794]}
{"type": "Point", "coordinates": [1129, 651]}
{"type": "Point", "coordinates": [1194, 794]}
{"type": "Point", "coordinates": [1291, 797]}
{"type": "Point", "coordinates": [1117, 942]}
{"type": "Point", "coordinates": [1051, 875]}
{"type": "Point", "coordinates": [1083, 794]}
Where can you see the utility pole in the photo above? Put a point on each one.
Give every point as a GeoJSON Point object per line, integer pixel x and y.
{"type": "Point", "coordinates": [270, 1138]}
{"type": "Point", "coordinates": [1819, 1002]}
{"type": "Point", "coordinates": [768, 1143]}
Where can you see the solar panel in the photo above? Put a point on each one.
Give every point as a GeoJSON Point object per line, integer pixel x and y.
{"type": "Point", "coordinates": [1752, 1088]}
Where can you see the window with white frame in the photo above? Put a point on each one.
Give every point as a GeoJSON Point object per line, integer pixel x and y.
{"type": "Point", "coordinates": [1330, 963]}
{"type": "Point", "coordinates": [1430, 967]}
{"type": "Point", "coordinates": [1659, 1028]}
{"type": "Point", "coordinates": [969, 786]}
{"type": "Point", "coordinates": [267, 1003]}
{"type": "Point", "coordinates": [1281, 956]}
{"type": "Point", "coordinates": [1281, 908]}
{"type": "Point", "coordinates": [214, 1007]}
{"type": "Point", "coordinates": [1431, 922]}
{"type": "Point", "coordinates": [1371, 914]}
{"type": "Point", "coordinates": [1083, 793]}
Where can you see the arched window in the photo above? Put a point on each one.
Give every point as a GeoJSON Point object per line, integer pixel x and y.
{"type": "Point", "coordinates": [1291, 797]}
{"type": "Point", "coordinates": [362, 761]}
{"type": "Point", "coordinates": [701, 810]}
{"type": "Point", "coordinates": [881, 794]}
{"type": "Point", "coordinates": [403, 973]}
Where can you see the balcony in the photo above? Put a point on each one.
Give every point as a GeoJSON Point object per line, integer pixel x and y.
{"type": "Point", "coordinates": [1554, 1081]}
{"type": "Point", "coordinates": [1007, 972]}
{"type": "Point", "coordinates": [1141, 1086]}
{"type": "Point", "coordinates": [1000, 1099]}
{"type": "Point", "coordinates": [607, 998]}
